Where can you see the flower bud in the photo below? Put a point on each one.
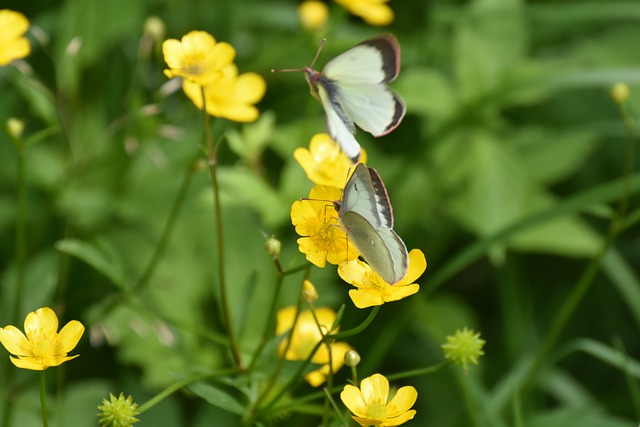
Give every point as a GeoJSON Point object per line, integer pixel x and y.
{"type": "Point", "coordinates": [352, 358]}
{"type": "Point", "coordinates": [309, 293]}
{"type": "Point", "coordinates": [620, 92]}
{"type": "Point", "coordinates": [273, 247]}
{"type": "Point", "coordinates": [15, 127]}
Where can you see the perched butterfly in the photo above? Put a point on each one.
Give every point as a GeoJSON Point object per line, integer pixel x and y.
{"type": "Point", "coordinates": [367, 217]}
{"type": "Point", "coordinates": [353, 91]}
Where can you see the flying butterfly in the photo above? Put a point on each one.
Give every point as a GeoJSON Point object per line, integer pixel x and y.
{"type": "Point", "coordinates": [352, 88]}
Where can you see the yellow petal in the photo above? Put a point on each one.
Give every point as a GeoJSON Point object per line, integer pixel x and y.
{"type": "Point", "coordinates": [374, 389]}
{"type": "Point", "coordinates": [352, 399]}
{"type": "Point", "coordinates": [14, 341]}
{"type": "Point", "coordinates": [364, 299]}
{"type": "Point", "coordinates": [314, 253]}
{"type": "Point", "coordinates": [396, 293]}
{"type": "Point", "coordinates": [222, 54]}
{"type": "Point", "coordinates": [172, 52]}
{"type": "Point", "coordinates": [390, 422]}
{"type": "Point", "coordinates": [31, 363]}
{"type": "Point", "coordinates": [69, 336]}
{"type": "Point", "coordinates": [284, 319]}
{"type": "Point", "coordinates": [402, 401]}
{"type": "Point", "coordinates": [14, 24]}
{"type": "Point", "coordinates": [250, 88]}
{"type": "Point", "coordinates": [417, 266]}
{"type": "Point", "coordinates": [41, 325]}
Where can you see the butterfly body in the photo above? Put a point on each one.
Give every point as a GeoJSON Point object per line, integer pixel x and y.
{"type": "Point", "coordinates": [367, 217]}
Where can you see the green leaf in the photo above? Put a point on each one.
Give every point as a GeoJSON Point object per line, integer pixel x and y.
{"type": "Point", "coordinates": [249, 143]}
{"type": "Point", "coordinates": [241, 186]}
{"type": "Point", "coordinates": [100, 255]}
{"type": "Point", "coordinates": [217, 397]}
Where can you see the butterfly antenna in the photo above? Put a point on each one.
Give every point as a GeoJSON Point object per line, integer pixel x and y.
{"type": "Point", "coordinates": [324, 40]}
{"type": "Point", "coordinates": [286, 70]}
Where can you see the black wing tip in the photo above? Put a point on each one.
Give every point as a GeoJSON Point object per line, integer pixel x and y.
{"type": "Point", "coordinates": [388, 44]}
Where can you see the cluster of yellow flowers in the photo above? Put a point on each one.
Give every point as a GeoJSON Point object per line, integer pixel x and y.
{"type": "Point", "coordinates": [211, 79]}
{"type": "Point", "coordinates": [324, 241]}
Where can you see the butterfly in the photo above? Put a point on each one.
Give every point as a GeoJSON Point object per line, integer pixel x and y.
{"type": "Point", "coordinates": [366, 215]}
{"type": "Point", "coordinates": [352, 88]}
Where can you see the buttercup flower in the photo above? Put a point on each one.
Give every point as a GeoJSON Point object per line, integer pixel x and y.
{"type": "Point", "coordinates": [372, 290]}
{"type": "Point", "coordinates": [118, 411]}
{"type": "Point", "coordinates": [13, 44]}
{"type": "Point", "coordinates": [324, 162]}
{"type": "Point", "coordinates": [317, 221]}
{"type": "Point", "coordinates": [231, 96]}
{"type": "Point", "coordinates": [42, 346]}
{"type": "Point", "coordinates": [307, 334]}
{"type": "Point", "coordinates": [370, 404]}
{"type": "Point", "coordinates": [313, 14]}
{"type": "Point", "coordinates": [197, 57]}
{"type": "Point", "coordinates": [374, 12]}
{"type": "Point", "coordinates": [464, 347]}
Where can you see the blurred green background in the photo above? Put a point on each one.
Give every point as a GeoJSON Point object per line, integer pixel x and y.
{"type": "Point", "coordinates": [502, 173]}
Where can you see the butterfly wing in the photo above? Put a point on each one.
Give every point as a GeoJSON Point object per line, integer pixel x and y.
{"type": "Point", "coordinates": [359, 196]}
{"type": "Point", "coordinates": [374, 61]}
{"type": "Point", "coordinates": [339, 124]}
{"type": "Point", "coordinates": [359, 76]}
{"type": "Point", "coordinates": [383, 250]}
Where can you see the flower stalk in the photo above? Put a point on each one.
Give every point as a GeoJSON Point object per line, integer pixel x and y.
{"type": "Point", "coordinates": [212, 159]}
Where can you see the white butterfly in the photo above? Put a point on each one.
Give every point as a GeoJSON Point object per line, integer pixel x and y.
{"type": "Point", "coordinates": [367, 217]}
{"type": "Point", "coordinates": [353, 91]}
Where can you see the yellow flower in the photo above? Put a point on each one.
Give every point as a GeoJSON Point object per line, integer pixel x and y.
{"type": "Point", "coordinates": [372, 290]}
{"type": "Point", "coordinates": [324, 162]}
{"type": "Point", "coordinates": [313, 14]}
{"type": "Point", "coordinates": [317, 221]}
{"type": "Point", "coordinates": [42, 346]}
{"type": "Point", "coordinates": [231, 96]}
{"type": "Point", "coordinates": [197, 57]}
{"type": "Point", "coordinates": [464, 347]}
{"type": "Point", "coordinates": [374, 12]}
{"type": "Point", "coordinates": [307, 334]}
{"type": "Point", "coordinates": [370, 404]}
{"type": "Point", "coordinates": [13, 44]}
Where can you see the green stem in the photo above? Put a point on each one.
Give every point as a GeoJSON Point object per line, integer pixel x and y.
{"type": "Point", "coordinates": [268, 327]}
{"type": "Point", "coordinates": [144, 279]}
{"type": "Point", "coordinates": [177, 386]}
{"type": "Point", "coordinates": [421, 371]}
{"type": "Point", "coordinates": [615, 227]}
{"type": "Point", "coordinates": [21, 233]}
{"type": "Point", "coordinates": [43, 399]}
{"type": "Point", "coordinates": [212, 159]}
{"type": "Point", "coordinates": [281, 361]}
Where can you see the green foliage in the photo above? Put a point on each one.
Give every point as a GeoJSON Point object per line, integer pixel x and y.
{"type": "Point", "coordinates": [507, 172]}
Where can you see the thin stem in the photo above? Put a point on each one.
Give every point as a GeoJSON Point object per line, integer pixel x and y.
{"type": "Point", "coordinates": [43, 399]}
{"type": "Point", "coordinates": [143, 281]}
{"type": "Point", "coordinates": [281, 361]}
{"type": "Point", "coordinates": [268, 327]}
{"type": "Point", "coordinates": [21, 231]}
{"type": "Point", "coordinates": [177, 386]}
{"type": "Point", "coordinates": [615, 227]}
{"type": "Point", "coordinates": [215, 187]}
{"type": "Point", "coordinates": [421, 371]}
